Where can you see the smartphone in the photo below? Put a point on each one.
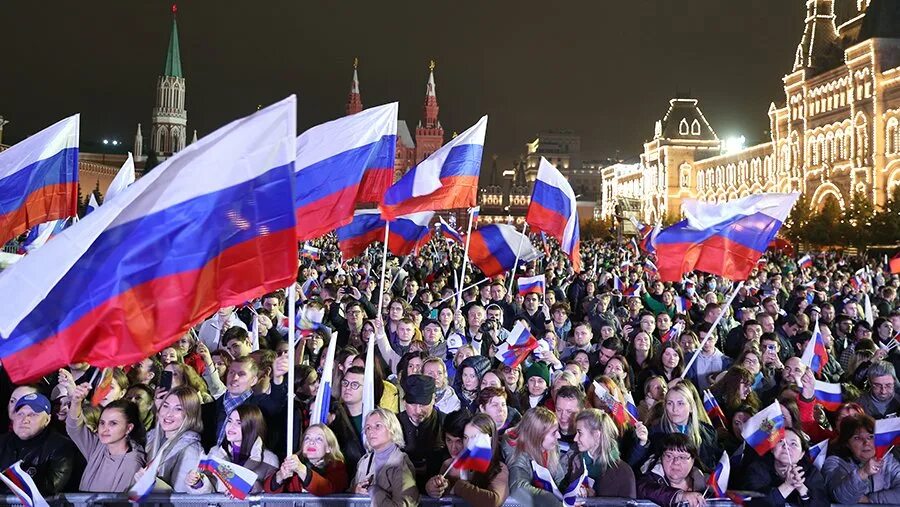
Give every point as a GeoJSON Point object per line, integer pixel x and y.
{"type": "Point", "coordinates": [165, 383]}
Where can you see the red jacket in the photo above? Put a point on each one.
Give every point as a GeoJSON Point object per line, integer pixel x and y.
{"type": "Point", "coordinates": [319, 482]}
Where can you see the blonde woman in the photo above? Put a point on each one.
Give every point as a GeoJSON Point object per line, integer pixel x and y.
{"type": "Point", "coordinates": [318, 468]}
{"type": "Point", "coordinates": [534, 441]}
{"type": "Point", "coordinates": [175, 440]}
{"type": "Point", "coordinates": [385, 473]}
{"type": "Point", "coordinates": [596, 435]}
{"type": "Point", "coordinates": [682, 414]}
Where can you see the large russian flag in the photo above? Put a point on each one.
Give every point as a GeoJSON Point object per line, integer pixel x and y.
{"type": "Point", "coordinates": [553, 210]}
{"type": "Point", "coordinates": [39, 179]}
{"type": "Point", "coordinates": [493, 248]}
{"type": "Point", "coordinates": [366, 228]}
{"type": "Point", "coordinates": [447, 179]}
{"type": "Point", "coordinates": [408, 232]}
{"type": "Point", "coordinates": [333, 161]}
{"type": "Point", "coordinates": [723, 239]}
{"type": "Point", "coordinates": [212, 226]}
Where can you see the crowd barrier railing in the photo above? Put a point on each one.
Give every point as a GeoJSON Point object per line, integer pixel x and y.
{"type": "Point", "coordinates": [293, 500]}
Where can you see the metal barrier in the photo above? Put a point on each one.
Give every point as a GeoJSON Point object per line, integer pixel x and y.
{"type": "Point", "coordinates": [289, 500]}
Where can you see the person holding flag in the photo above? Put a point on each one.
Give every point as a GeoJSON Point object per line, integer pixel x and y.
{"type": "Point", "coordinates": [784, 475]}
{"type": "Point", "coordinates": [854, 473]}
{"type": "Point", "coordinates": [317, 469]}
{"type": "Point", "coordinates": [532, 452]}
{"type": "Point", "coordinates": [483, 477]}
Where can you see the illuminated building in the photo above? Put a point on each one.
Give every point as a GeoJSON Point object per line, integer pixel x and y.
{"type": "Point", "coordinates": [836, 133]}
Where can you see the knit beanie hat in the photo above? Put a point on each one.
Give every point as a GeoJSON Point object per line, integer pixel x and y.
{"type": "Point", "coordinates": [538, 369]}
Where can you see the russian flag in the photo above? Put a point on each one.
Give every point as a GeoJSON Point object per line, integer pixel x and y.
{"type": "Point", "coordinates": [309, 286]}
{"type": "Point", "coordinates": [408, 232]}
{"type": "Point", "coordinates": [632, 290]}
{"type": "Point", "coordinates": [829, 395]}
{"type": "Point", "coordinates": [310, 251]}
{"type": "Point", "coordinates": [448, 232]}
{"type": "Point", "coordinates": [724, 239]}
{"type": "Point", "coordinates": [22, 485]}
{"type": "Point", "coordinates": [531, 284]}
{"type": "Point", "coordinates": [366, 228]}
{"type": "Point", "coordinates": [123, 179]}
{"type": "Point", "coordinates": [713, 409]}
{"type": "Point", "coordinates": [41, 234]}
{"type": "Point", "coordinates": [765, 429]}
{"type": "Point", "coordinates": [178, 244]}
{"type": "Point", "coordinates": [39, 179]}
{"type": "Point", "coordinates": [335, 163]}
{"type": "Point", "coordinates": [517, 346]}
{"type": "Point", "coordinates": [894, 264]}
{"type": "Point", "coordinates": [476, 456]}
{"type": "Point", "coordinates": [618, 285]}
{"type": "Point", "coordinates": [554, 210]}
{"type": "Point", "coordinates": [650, 268]}
{"type": "Point", "coordinates": [570, 494]}
{"type": "Point", "coordinates": [718, 480]}
{"type": "Point", "coordinates": [493, 248]}
{"type": "Point", "coordinates": [630, 406]}
{"type": "Point", "coordinates": [818, 453]}
{"type": "Point", "coordinates": [672, 333]}
{"type": "Point", "coordinates": [887, 435]}
{"type": "Point", "coordinates": [805, 262]}
{"type": "Point", "coordinates": [542, 478]}
{"type": "Point", "coordinates": [815, 355]}
{"type": "Point", "coordinates": [144, 486]}
{"type": "Point", "coordinates": [682, 304]}
{"type": "Point", "coordinates": [237, 480]}
{"type": "Point", "coordinates": [614, 406]}
{"type": "Point", "coordinates": [322, 403]}
{"type": "Point", "coordinates": [447, 179]}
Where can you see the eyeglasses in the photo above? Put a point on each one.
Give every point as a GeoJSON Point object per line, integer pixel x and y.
{"type": "Point", "coordinates": [352, 385]}
{"type": "Point", "coordinates": [677, 458]}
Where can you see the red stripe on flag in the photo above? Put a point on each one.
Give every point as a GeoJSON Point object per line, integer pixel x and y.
{"type": "Point", "coordinates": [50, 202]}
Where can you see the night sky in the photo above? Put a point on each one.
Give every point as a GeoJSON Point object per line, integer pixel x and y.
{"type": "Point", "coordinates": [601, 68]}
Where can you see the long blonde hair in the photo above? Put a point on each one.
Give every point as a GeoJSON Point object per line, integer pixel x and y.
{"type": "Point", "coordinates": [608, 448]}
{"type": "Point", "coordinates": [535, 425]}
{"type": "Point", "coordinates": [684, 390]}
{"type": "Point", "coordinates": [335, 454]}
{"type": "Point", "coordinates": [190, 403]}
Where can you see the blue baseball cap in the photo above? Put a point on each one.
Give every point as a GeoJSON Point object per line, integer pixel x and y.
{"type": "Point", "coordinates": [38, 402]}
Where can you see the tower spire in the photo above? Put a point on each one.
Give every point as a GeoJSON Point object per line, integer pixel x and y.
{"type": "Point", "coordinates": [817, 47]}
{"type": "Point", "coordinates": [429, 133]}
{"type": "Point", "coordinates": [173, 55]}
{"type": "Point", "coordinates": [354, 101]}
{"type": "Point", "coordinates": [431, 108]}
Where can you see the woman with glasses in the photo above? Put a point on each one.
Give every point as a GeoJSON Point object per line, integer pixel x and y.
{"type": "Point", "coordinates": [734, 390]}
{"type": "Point", "coordinates": [673, 477]}
{"type": "Point", "coordinates": [318, 468]}
{"type": "Point", "coordinates": [784, 475]}
{"type": "Point", "coordinates": [852, 472]}
{"type": "Point", "coordinates": [385, 474]}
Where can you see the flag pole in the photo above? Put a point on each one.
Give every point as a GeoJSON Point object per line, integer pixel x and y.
{"type": "Point", "coordinates": [292, 334]}
{"type": "Point", "coordinates": [712, 328]}
{"type": "Point", "coordinates": [512, 274]}
{"type": "Point", "coordinates": [387, 230]}
{"type": "Point", "coordinates": [462, 273]}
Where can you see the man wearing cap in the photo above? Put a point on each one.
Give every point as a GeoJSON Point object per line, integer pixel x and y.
{"type": "Point", "coordinates": [46, 456]}
{"type": "Point", "coordinates": [433, 336]}
{"type": "Point", "coordinates": [422, 428]}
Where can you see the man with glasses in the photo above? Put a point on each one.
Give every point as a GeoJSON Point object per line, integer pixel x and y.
{"type": "Point", "coordinates": [881, 399]}
{"type": "Point", "coordinates": [348, 418]}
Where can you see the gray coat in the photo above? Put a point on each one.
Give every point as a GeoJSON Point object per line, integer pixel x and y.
{"type": "Point", "coordinates": [845, 486]}
{"type": "Point", "coordinates": [180, 458]}
{"type": "Point", "coordinates": [520, 475]}
{"type": "Point", "coordinates": [394, 484]}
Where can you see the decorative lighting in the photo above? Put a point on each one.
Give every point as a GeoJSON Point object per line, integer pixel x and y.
{"type": "Point", "coordinates": [734, 144]}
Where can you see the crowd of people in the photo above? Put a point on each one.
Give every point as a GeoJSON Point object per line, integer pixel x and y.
{"type": "Point", "coordinates": [221, 390]}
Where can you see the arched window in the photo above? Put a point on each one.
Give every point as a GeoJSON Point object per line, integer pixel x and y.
{"type": "Point", "coordinates": [892, 138]}
{"type": "Point", "coordinates": [695, 127]}
{"type": "Point", "coordinates": [683, 128]}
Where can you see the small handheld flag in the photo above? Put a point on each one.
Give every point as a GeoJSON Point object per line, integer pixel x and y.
{"type": "Point", "coordinates": [542, 478]}
{"type": "Point", "coordinates": [718, 480]}
{"type": "Point", "coordinates": [310, 252]}
{"type": "Point", "coordinates": [887, 435]}
{"type": "Point", "coordinates": [817, 453]}
{"type": "Point", "coordinates": [22, 485]}
{"type": "Point", "coordinates": [765, 429]}
{"type": "Point", "coordinates": [237, 480]}
{"type": "Point", "coordinates": [144, 486]}
{"type": "Point", "coordinates": [672, 333]}
{"type": "Point", "coordinates": [476, 456]}
{"type": "Point", "coordinates": [815, 355]}
{"type": "Point", "coordinates": [322, 403]}
{"type": "Point", "coordinates": [103, 388]}
{"type": "Point", "coordinates": [829, 395]}
{"type": "Point", "coordinates": [517, 346]}
{"type": "Point", "coordinates": [805, 262]}
{"type": "Point", "coordinates": [713, 409]}
{"type": "Point", "coordinates": [531, 284]}
{"type": "Point", "coordinates": [570, 494]}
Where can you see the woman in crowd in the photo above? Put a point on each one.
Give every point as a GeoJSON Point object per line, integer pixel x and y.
{"type": "Point", "coordinates": [319, 468]}
{"type": "Point", "coordinates": [468, 380]}
{"type": "Point", "coordinates": [385, 473]}
{"type": "Point", "coordinates": [654, 393]}
{"type": "Point", "coordinates": [116, 452]}
{"type": "Point", "coordinates": [534, 442]}
{"type": "Point", "coordinates": [175, 441]}
{"type": "Point", "coordinates": [596, 436]}
{"type": "Point", "coordinates": [487, 489]}
{"type": "Point", "coordinates": [853, 473]}
{"type": "Point", "coordinates": [681, 414]}
{"type": "Point", "coordinates": [734, 390]}
{"type": "Point", "coordinates": [462, 353]}
{"type": "Point", "coordinates": [245, 431]}
{"type": "Point", "coordinates": [668, 364]}
{"type": "Point", "coordinates": [617, 368]}
{"type": "Point", "coordinates": [493, 402]}
{"type": "Point", "coordinates": [184, 375]}
{"type": "Point", "coordinates": [514, 384]}
{"type": "Point", "coordinates": [142, 396]}
{"type": "Point", "coordinates": [674, 477]}
{"type": "Point", "coordinates": [640, 352]}
{"type": "Point", "coordinates": [785, 474]}
{"type": "Point", "coordinates": [186, 346]}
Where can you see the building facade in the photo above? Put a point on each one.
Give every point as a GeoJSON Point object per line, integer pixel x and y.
{"type": "Point", "coordinates": [836, 133]}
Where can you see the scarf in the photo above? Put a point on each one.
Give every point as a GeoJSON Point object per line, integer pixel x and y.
{"type": "Point", "coordinates": [230, 403]}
